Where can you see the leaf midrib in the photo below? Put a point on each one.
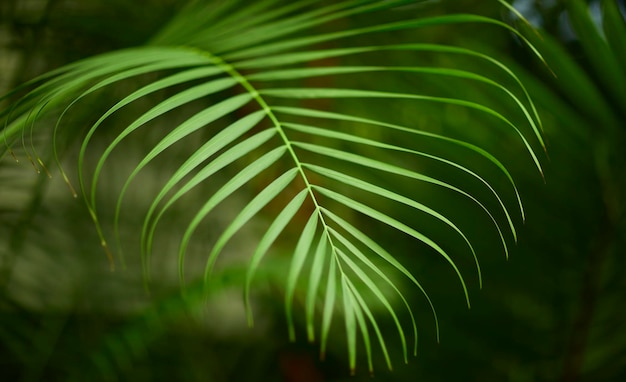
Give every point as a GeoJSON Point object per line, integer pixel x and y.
{"type": "Point", "coordinates": [256, 95]}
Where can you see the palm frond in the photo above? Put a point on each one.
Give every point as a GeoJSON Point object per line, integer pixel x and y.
{"type": "Point", "coordinates": [233, 61]}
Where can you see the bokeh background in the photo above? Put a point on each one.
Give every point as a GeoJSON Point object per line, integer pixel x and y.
{"type": "Point", "coordinates": [554, 311]}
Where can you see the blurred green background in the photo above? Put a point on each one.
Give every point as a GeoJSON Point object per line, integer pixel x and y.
{"type": "Point", "coordinates": [555, 311]}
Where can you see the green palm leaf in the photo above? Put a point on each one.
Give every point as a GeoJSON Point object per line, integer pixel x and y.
{"type": "Point", "coordinates": [235, 60]}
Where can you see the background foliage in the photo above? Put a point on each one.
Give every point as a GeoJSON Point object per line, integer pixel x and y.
{"type": "Point", "coordinates": [551, 312]}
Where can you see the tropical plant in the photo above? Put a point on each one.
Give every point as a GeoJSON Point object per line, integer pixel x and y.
{"type": "Point", "coordinates": [264, 98]}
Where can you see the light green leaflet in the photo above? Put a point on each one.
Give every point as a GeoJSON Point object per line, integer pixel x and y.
{"type": "Point", "coordinates": [197, 121]}
{"type": "Point", "coordinates": [286, 74]}
{"type": "Point", "coordinates": [356, 93]}
{"type": "Point", "coordinates": [358, 183]}
{"type": "Point", "coordinates": [315, 277]}
{"type": "Point", "coordinates": [350, 322]}
{"type": "Point", "coordinates": [370, 244]}
{"type": "Point", "coordinates": [300, 42]}
{"type": "Point", "coordinates": [225, 191]}
{"type": "Point", "coordinates": [302, 57]}
{"type": "Point", "coordinates": [223, 160]}
{"type": "Point", "coordinates": [212, 146]}
{"type": "Point", "coordinates": [251, 209]}
{"type": "Point", "coordinates": [378, 165]}
{"type": "Point", "coordinates": [134, 62]}
{"type": "Point", "coordinates": [329, 305]}
{"type": "Point", "coordinates": [297, 262]}
{"type": "Point", "coordinates": [377, 215]}
{"type": "Point", "coordinates": [169, 104]}
{"type": "Point", "coordinates": [376, 291]}
{"type": "Point", "coordinates": [362, 305]}
{"type": "Point", "coordinates": [277, 226]}
{"type": "Point", "coordinates": [355, 139]}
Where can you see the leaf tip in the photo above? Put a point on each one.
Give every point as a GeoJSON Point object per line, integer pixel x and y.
{"type": "Point", "coordinates": [30, 159]}
{"type": "Point", "coordinates": [13, 155]}
{"type": "Point", "coordinates": [45, 169]}
{"type": "Point", "coordinates": [69, 184]}
{"type": "Point", "coordinates": [107, 250]}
